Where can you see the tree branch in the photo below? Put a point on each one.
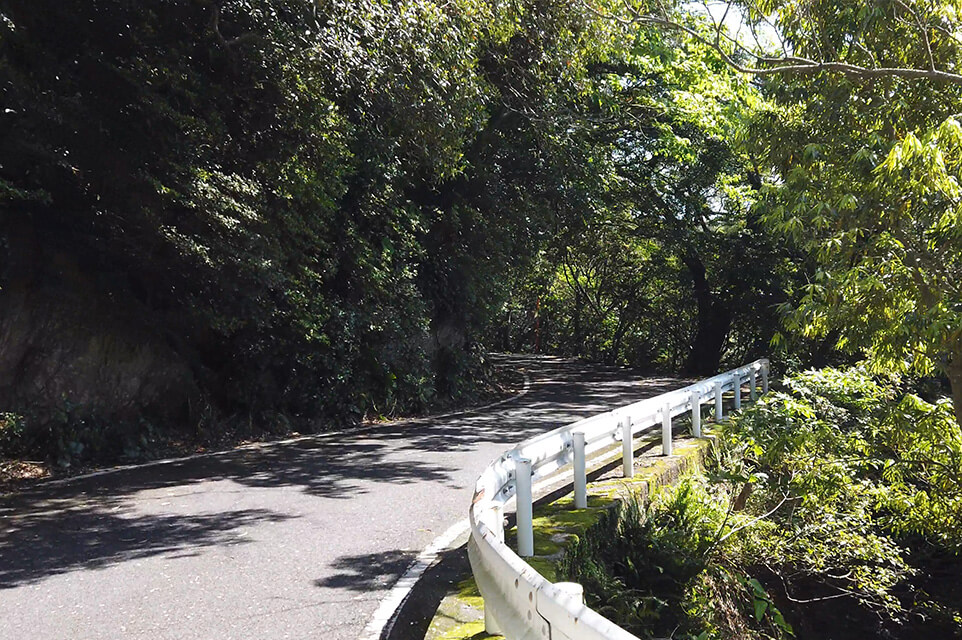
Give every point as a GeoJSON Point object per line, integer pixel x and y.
{"type": "Point", "coordinates": [789, 65]}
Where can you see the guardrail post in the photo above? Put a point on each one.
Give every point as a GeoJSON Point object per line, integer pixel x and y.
{"type": "Point", "coordinates": [764, 379]}
{"type": "Point", "coordinates": [752, 391]}
{"type": "Point", "coordinates": [666, 429]}
{"type": "Point", "coordinates": [696, 413]}
{"type": "Point", "coordinates": [524, 508]}
{"type": "Point", "coordinates": [737, 402]}
{"type": "Point", "coordinates": [719, 411]}
{"type": "Point", "coordinates": [627, 448]}
{"type": "Point", "coordinates": [581, 479]}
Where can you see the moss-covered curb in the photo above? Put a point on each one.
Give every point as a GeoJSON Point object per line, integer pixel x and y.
{"type": "Point", "coordinates": [557, 524]}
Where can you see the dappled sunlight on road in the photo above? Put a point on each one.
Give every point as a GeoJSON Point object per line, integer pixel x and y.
{"type": "Point", "coordinates": [311, 526]}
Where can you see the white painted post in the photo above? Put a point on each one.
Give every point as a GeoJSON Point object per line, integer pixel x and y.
{"type": "Point", "coordinates": [752, 392]}
{"type": "Point", "coordinates": [627, 450]}
{"type": "Point", "coordinates": [581, 479]}
{"type": "Point", "coordinates": [719, 411]}
{"type": "Point", "coordinates": [696, 413]}
{"type": "Point", "coordinates": [764, 379]}
{"type": "Point", "coordinates": [666, 430]}
{"type": "Point", "coordinates": [737, 402]}
{"type": "Point", "coordinates": [524, 508]}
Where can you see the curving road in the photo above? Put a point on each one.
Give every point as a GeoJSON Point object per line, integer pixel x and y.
{"type": "Point", "coordinates": [289, 540]}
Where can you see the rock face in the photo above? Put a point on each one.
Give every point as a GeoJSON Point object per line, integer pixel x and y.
{"type": "Point", "coordinates": [61, 348]}
{"type": "Point", "coordinates": [69, 345]}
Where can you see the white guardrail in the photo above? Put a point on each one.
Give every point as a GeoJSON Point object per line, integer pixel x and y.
{"type": "Point", "coordinates": [520, 603]}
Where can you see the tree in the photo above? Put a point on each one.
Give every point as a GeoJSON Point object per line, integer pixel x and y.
{"type": "Point", "coordinates": [667, 265]}
{"type": "Point", "coordinates": [859, 153]}
{"type": "Point", "coordinates": [864, 175]}
{"type": "Point", "coordinates": [262, 212]}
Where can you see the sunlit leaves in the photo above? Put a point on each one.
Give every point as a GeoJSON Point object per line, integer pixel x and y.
{"type": "Point", "coordinates": [863, 468]}
{"type": "Point", "coordinates": [866, 177]}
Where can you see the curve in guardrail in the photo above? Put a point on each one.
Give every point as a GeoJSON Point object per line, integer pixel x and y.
{"type": "Point", "coordinates": [520, 603]}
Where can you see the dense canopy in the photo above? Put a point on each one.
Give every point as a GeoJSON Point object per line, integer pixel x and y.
{"type": "Point", "coordinates": [270, 215]}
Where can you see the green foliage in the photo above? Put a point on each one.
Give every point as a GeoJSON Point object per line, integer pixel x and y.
{"type": "Point", "coordinates": [666, 265]}
{"type": "Point", "coordinates": [317, 207]}
{"type": "Point", "coordinates": [842, 439]}
{"type": "Point", "coordinates": [858, 477]}
{"type": "Point", "coordinates": [909, 34]}
{"type": "Point", "coordinates": [864, 178]}
{"type": "Point", "coordinates": [11, 429]}
{"type": "Point", "coordinates": [655, 572]}
{"type": "Point", "coordinates": [69, 438]}
{"type": "Point", "coordinates": [844, 487]}
{"type": "Point", "coordinates": [326, 210]}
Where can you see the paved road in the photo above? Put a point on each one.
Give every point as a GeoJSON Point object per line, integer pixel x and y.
{"type": "Point", "coordinates": [297, 540]}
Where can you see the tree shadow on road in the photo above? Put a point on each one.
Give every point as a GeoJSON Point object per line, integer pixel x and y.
{"type": "Point", "coordinates": [91, 522]}
{"type": "Point", "coordinates": [369, 571]}
{"type": "Point", "coordinates": [334, 466]}
{"type": "Point", "coordinates": [36, 545]}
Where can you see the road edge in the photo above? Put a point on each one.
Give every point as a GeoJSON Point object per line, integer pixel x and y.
{"type": "Point", "coordinates": [254, 446]}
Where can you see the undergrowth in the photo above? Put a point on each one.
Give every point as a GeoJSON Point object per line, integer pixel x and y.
{"type": "Point", "coordinates": [835, 503]}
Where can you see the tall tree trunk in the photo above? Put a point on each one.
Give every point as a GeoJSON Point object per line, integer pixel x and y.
{"type": "Point", "coordinates": [714, 322]}
{"type": "Point", "coordinates": [579, 339]}
{"type": "Point", "coordinates": [620, 331]}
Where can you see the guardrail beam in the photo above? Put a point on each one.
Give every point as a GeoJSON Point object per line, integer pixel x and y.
{"type": "Point", "coordinates": [521, 603]}
{"type": "Point", "coordinates": [490, 624]}
{"type": "Point", "coordinates": [497, 521]}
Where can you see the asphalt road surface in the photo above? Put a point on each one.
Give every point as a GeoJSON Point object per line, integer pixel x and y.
{"type": "Point", "coordinates": [297, 540]}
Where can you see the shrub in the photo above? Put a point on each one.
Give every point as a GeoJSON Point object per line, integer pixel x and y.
{"type": "Point", "coordinates": [655, 572]}
{"type": "Point", "coordinates": [837, 500]}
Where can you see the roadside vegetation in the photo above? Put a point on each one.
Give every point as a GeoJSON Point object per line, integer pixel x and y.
{"type": "Point", "coordinates": [833, 502]}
